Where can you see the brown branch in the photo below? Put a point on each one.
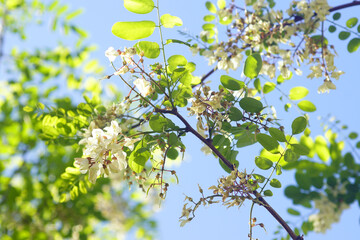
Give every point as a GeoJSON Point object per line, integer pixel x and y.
{"type": "Point", "coordinates": [232, 167]}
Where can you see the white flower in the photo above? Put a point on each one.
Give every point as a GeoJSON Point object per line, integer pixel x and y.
{"type": "Point", "coordinates": [82, 164]}
{"type": "Point", "coordinates": [206, 150]}
{"type": "Point", "coordinates": [336, 74]}
{"type": "Point", "coordinates": [194, 50]}
{"type": "Point", "coordinates": [144, 87]}
{"type": "Point", "coordinates": [111, 54]}
{"type": "Point", "coordinates": [127, 54]}
{"type": "Point", "coordinates": [326, 86]}
{"type": "Point", "coordinates": [121, 158]}
{"type": "Point", "coordinates": [113, 131]}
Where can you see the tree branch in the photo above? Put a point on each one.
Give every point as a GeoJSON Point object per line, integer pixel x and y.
{"type": "Point", "coordinates": [232, 167]}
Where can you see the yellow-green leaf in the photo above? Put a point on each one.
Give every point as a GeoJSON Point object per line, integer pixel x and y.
{"type": "Point", "coordinates": [150, 49]}
{"type": "Point", "coordinates": [211, 7]}
{"type": "Point", "coordinates": [297, 93]}
{"type": "Point", "coordinates": [170, 21]}
{"type": "Point", "coordinates": [139, 6]}
{"type": "Point", "coordinates": [307, 106]}
{"type": "Point", "coordinates": [133, 30]}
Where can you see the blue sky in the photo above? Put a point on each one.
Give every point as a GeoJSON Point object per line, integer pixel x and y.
{"type": "Point", "coordinates": [217, 222]}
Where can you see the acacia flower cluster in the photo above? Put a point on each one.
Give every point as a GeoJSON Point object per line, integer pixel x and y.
{"type": "Point", "coordinates": [233, 190]}
{"type": "Point", "coordinates": [329, 213]}
{"type": "Point", "coordinates": [103, 152]}
{"type": "Point", "coordinates": [272, 35]}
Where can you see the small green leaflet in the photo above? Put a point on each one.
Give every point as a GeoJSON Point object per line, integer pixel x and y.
{"type": "Point", "coordinates": [170, 21]}
{"type": "Point", "coordinates": [231, 83]}
{"type": "Point", "coordinates": [298, 125]}
{"type": "Point", "coordinates": [253, 65]}
{"type": "Point", "coordinates": [139, 6]}
{"type": "Point", "coordinates": [133, 30]}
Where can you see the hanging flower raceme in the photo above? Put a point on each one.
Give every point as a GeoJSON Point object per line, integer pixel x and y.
{"type": "Point", "coordinates": [326, 86]}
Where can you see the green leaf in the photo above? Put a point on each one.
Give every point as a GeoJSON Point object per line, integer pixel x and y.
{"type": "Point", "coordinates": [245, 139]}
{"type": "Point", "coordinates": [275, 183]}
{"type": "Point", "coordinates": [351, 22]}
{"type": "Point", "coordinates": [211, 7]}
{"type": "Point", "coordinates": [257, 85]}
{"type": "Point", "coordinates": [353, 45]}
{"type": "Point", "coordinates": [268, 142]}
{"type": "Point", "coordinates": [139, 6]}
{"type": "Point", "coordinates": [344, 35]}
{"type": "Point", "coordinates": [300, 149]}
{"type": "Point", "coordinates": [133, 30]}
{"type": "Point", "coordinates": [278, 169]}
{"type": "Point", "coordinates": [177, 41]}
{"type": "Point", "coordinates": [231, 83]}
{"type": "Point", "coordinates": [303, 180]}
{"type": "Point", "coordinates": [150, 49]}
{"type": "Point", "coordinates": [28, 109]}
{"type": "Point", "coordinates": [173, 139]}
{"type": "Point", "coordinates": [73, 14]}
{"type": "Point", "coordinates": [221, 4]}
{"type": "Point", "coordinates": [176, 60]}
{"type": "Point", "coordinates": [268, 87]}
{"type": "Point", "coordinates": [298, 125]}
{"type": "Point", "coordinates": [291, 156]}
{"type": "Point", "coordinates": [353, 135]}
{"type": "Point", "coordinates": [277, 134]}
{"type": "Point", "coordinates": [259, 178]}
{"type": "Point", "coordinates": [170, 21]}
{"type": "Point", "coordinates": [293, 212]}
{"type": "Point", "coordinates": [297, 93]}
{"type": "Point", "coordinates": [253, 65]}
{"type": "Point", "coordinates": [321, 148]}
{"type": "Point", "coordinates": [268, 193]}
{"type": "Point", "coordinates": [209, 18]}
{"type": "Point", "coordinates": [158, 123]}
{"type": "Point", "coordinates": [82, 187]}
{"type": "Point", "coordinates": [307, 106]}
{"type": "Point", "coordinates": [172, 153]}
{"type": "Point", "coordinates": [137, 164]}
{"type": "Point", "coordinates": [263, 163]}
{"type": "Point", "coordinates": [251, 105]}
{"type": "Point", "coordinates": [235, 114]}
{"type": "Point", "coordinates": [337, 16]}
{"type": "Point", "coordinates": [208, 26]}
{"type": "Point", "coordinates": [332, 28]}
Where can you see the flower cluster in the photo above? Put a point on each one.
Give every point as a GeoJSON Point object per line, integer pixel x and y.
{"type": "Point", "coordinates": [227, 57]}
{"type": "Point", "coordinates": [326, 86]}
{"type": "Point", "coordinates": [209, 105]}
{"type": "Point", "coordinates": [125, 55]}
{"type": "Point", "coordinates": [103, 152]}
{"type": "Point", "coordinates": [129, 65]}
{"type": "Point", "coordinates": [272, 35]}
{"type": "Point", "coordinates": [329, 213]}
{"type": "Point", "coordinates": [233, 189]}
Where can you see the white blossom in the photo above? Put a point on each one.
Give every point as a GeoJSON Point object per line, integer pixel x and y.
{"type": "Point", "coordinates": [144, 87]}
{"type": "Point", "coordinates": [326, 86]}
{"type": "Point", "coordinates": [111, 54]}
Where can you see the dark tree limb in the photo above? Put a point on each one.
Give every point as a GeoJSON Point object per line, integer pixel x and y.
{"type": "Point", "coordinates": [232, 167]}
